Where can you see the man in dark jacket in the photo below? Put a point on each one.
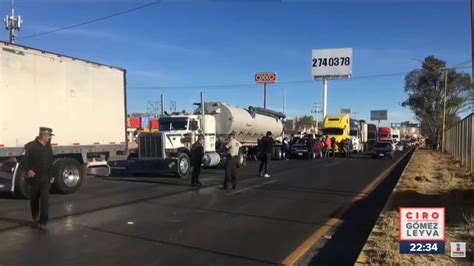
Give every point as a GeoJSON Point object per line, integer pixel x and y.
{"type": "Point", "coordinates": [197, 153]}
{"type": "Point", "coordinates": [38, 163]}
{"type": "Point", "coordinates": [267, 143]}
{"type": "Point", "coordinates": [310, 143]}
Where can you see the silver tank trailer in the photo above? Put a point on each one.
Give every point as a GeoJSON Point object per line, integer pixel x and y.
{"type": "Point", "coordinates": [248, 125]}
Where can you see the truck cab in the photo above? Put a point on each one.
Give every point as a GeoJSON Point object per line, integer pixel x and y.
{"type": "Point", "coordinates": [338, 127]}
{"type": "Point", "coordinates": [356, 135]}
{"type": "Point", "coordinates": [371, 136]}
{"type": "Point", "coordinates": [396, 135]}
{"type": "Point", "coordinates": [170, 148]}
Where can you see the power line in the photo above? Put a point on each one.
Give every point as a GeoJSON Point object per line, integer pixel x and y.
{"type": "Point", "coordinates": [254, 85]}
{"type": "Point", "coordinates": [374, 76]}
{"type": "Point", "coordinates": [91, 21]}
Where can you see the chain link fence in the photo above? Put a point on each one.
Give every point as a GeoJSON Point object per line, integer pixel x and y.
{"type": "Point", "coordinates": [460, 142]}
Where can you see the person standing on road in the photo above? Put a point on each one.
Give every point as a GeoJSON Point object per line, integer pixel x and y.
{"type": "Point", "coordinates": [233, 147]}
{"type": "Point", "coordinates": [334, 145]}
{"type": "Point", "coordinates": [310, 147]}
{"type": "Point", "coordinates": [197, 154]}
{"type": "Point", "coordinates": [266, 154]}
{"type": "Point", "coordinates": [318, 148]}
{"type": "Point", "coordinates": [38, 161]}
{"type": "Point", "coordinates": [328, 145]}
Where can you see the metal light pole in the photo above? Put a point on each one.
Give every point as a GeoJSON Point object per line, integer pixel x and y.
{"type": "Point", "coordinates": [325, 97]}
{"type": "Point", "coordinates": [316, 110]}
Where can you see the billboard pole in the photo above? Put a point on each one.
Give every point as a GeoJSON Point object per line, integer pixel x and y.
{"type": "Point", "coordinates": [325, 97]}
{"type": "Point", "coordinates": [265, 77]}
{"type": "Point", "coordinates": [265, 95]}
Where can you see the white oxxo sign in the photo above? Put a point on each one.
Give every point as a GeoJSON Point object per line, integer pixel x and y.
{"type": "Point", "coordinates": [422, 230]}
{"type": "Point", "coordinates": [331, 64]}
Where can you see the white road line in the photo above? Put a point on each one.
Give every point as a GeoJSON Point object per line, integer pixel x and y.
{"type": "Point", "coordinates": [331, 164]}
{"type": "Point", "coordinates": [251, 187]}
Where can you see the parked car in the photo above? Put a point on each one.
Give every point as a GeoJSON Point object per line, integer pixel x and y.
{"type": "Point", "coordinates": [299, 146]}
{"type": "Point", "coordinates": [383, 149]}
{"type": "Point", "coordinates": [399, 146]}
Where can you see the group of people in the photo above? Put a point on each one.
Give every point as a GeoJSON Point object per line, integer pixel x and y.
{"type": "Point", "coordinates": [232, 156]}
{"type": "Point", "coordinates": [326, 145]}
{"type": "Point", "coordinates": [38, 162]}
{"type": "Point", "coordinates": [322, 147]}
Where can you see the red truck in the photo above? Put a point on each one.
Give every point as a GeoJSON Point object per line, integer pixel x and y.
{"type": "Point", "coordinates": [384, 134]}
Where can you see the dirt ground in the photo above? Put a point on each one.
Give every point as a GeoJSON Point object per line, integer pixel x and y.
{"type": "Point", "coordinates": [432, 179]}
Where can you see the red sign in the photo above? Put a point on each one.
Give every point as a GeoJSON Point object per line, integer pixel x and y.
{"type": "Point", "coordinates": [265, 77]}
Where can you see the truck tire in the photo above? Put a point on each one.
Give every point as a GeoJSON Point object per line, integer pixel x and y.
{"type": "Point", "coordinates": [68, 175]}
{"type": "Point", "coordinates": [241, 159]}
{"type": "Point", "coordinates": [183, 165]}
{"type": "Point", "coordinates": [277, 153]}
{"type": "Point", "coordinates": [22, 187]}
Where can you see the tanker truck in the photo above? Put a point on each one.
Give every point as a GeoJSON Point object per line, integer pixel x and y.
{"type": "Point", "coordinates": [169, 149]}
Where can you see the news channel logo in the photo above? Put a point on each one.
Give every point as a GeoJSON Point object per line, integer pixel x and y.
{"type": "Point", "coordinates": [458, 249]}
{"type": "Point", "coordinates": [422, 230]}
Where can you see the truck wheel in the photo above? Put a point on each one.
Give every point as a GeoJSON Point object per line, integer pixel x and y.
{"type": "Point", "coordinates": [22, 187]}
{"type": "Point", "coordinates": [277, 154]}
{"type": "Point", "coordinates": [68, 175]}
{"type": "Point", "coordinates": [242, 159]}
{"type": "Point", "coordinates": [183, 165]}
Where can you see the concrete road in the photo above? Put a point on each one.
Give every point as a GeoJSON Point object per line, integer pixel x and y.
{"type": "Point", "coordinates": [164, 221]}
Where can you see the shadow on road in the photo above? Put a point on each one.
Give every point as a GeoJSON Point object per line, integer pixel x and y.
{"type": "Point", "coordinates": [358, 222]}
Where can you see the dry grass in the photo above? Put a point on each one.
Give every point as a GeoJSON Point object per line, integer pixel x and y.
{"type": "Point", "coordinates": [431, 179]}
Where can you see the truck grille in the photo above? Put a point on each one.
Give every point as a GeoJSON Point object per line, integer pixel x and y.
{"type": "Point", "coordinates": [150, 146]}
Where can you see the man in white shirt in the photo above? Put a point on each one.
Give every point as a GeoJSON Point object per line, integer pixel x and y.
{"type": "Point", "coordinates": [233, 147]}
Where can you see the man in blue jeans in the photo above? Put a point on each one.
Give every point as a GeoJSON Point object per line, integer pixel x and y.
{"type": "Point", "coordinates": [267, 143]}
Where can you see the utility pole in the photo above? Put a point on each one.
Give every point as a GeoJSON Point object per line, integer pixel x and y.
{"type": "Point", "coordinates": [152, 108]}
{"type": "Point", "coordinates": [316, 110]}
{"type": "Point", "coordinates": [12, 24]}
{"type": "Point", "coordinates": [173, 106]}
{"type": "Point", "coordinates": [284, 101]}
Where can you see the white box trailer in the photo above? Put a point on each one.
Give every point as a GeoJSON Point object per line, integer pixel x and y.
{"type": "Point", "coordinates": [84, 103]}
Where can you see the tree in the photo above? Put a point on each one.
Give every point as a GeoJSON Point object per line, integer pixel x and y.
{"type": "Point", "coordinates": [305, 122]}
{"type": "Point", "coordinates": [425, 88]}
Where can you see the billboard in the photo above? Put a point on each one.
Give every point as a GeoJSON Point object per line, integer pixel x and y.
{"type": "Point", "coordinates": [346, 111]}
{"type": "Point", "coordinates": [377, 115]}
{"type": "Point", "coordinates": [332, 63]}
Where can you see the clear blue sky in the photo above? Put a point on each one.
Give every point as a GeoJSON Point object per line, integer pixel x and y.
{"type": "Point", "coordinates": [193, 43]}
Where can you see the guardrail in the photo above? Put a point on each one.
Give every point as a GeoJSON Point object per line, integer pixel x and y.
{"type": "Point", "coordinates": [460, 142]}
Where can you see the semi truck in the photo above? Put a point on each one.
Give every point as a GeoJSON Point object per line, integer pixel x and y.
{"type": "Point", "coordinates": [337, 127]}
{"type": "Point", "coordinates": [371, 136]}
{"type": "Point", "coordinates": [364, 134]}
{"type": "Point", "coordinates": [396, 135]}
{"type": "Point", "coordinates": [169, 149]}
{"type": "Point", "coordinates": [84, 103]}
{"type": "Point", "coordinates": [385, 134]}
{"type": "Point", "coordinates": [357, 136]}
